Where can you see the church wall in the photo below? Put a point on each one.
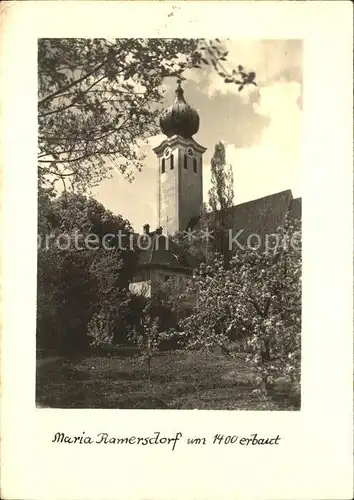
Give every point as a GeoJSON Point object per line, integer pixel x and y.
{"type": "Point", "coordinates": [191, 188]}
{"type": "Point", "coordinates": [167, 273]}
{"type": "Point", "coordinates": [141, 288]}
{"type": "Point", "coordinates": [168, 195]}
{"type": "Point", "coordinates": [146, 286]}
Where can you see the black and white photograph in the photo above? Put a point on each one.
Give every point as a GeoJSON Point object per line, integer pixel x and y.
{"type": "Point", "coordinates": [177, 250]}
{"type": "Point", "coordinates": [169, 223]}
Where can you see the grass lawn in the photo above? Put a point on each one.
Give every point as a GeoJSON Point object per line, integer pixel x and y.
{"type": "Point", "coordinates": [179, 381]}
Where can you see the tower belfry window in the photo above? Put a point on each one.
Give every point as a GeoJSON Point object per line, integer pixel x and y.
{"type": "Point", "coordinates": [195, 165]}
{"type": "Point", "coordinates": [185, 159]}
{"type": "Point", "coordinates": [171, 164]}
{"type": "Point", "coordinates": [163, 166]}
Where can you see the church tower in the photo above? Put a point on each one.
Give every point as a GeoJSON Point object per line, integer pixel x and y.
{"type": "Point", "coordinates": [180, 163]}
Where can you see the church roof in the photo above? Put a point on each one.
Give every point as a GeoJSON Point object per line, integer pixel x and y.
{"type": "Point", "coordinates": [261, 216]}
{"type": "Point", "coordinates": [164, 253]}
{"type": "Point", "coordinates": [296, 208]}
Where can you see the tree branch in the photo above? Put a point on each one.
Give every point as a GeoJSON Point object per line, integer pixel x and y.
{"type": "Point", "coordinates": [267, 306]}
{"type": "Point", "coordinates": [66, 161]}
{"type": "Point", "coordinates": [224, 349]}
{"type": "Point", "coordinates": [256, 306]}
{"type": "Point", "coordinates": [59, 174]}
{"type": "Point", "coordinates": [72, 84]}
{"type": "Point", "coordinates": [72, 104]}
{"type": "Point", "coordinates": [84, 77]}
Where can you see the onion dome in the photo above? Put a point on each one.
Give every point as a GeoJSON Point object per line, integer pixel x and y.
{"type": "Point", "coordinates": [180, 118]}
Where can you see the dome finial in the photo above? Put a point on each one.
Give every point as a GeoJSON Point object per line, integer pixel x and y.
{"type": "Point", "coordinates": [180, 118]}
{"type": "Point", "coordinates": [179, 91]}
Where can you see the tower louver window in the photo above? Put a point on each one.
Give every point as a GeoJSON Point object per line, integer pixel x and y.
{"type": "Point", "coordinates": [195, 165]}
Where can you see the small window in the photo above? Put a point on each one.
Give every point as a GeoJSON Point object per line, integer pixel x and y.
{"type": "Point", "coordinates": [163, 166]}
{"type": "Point", "coordinates": [185, 159]}
{"type": "Point", "coordinates": [171, 164]}
{"type": "Point", "coordinates": [195, 165]}
{"type": "Point", "coordinates": [146, 274]}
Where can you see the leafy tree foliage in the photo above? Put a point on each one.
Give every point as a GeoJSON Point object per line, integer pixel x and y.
{"type": "Point", "coordinates": [76, 281]}
{"type": "Point", "coordinates": [254, 305]}
{"type": "Point", "coordinates": [196, 244]}
{"type": "Point", "coordinates": [156, 325]}
{"type": "Point", "coordinates": [111, 270]}
{"type": "Point", "coordinates": [221, 197]}
{"type": "Point", "coordinates": [168, 291]}
{"type": "Point", "coordinates": [147, 336]}
{"type": "Point", "coordinates": [98, 99]}
{"type": "Point", "coordinates": [83, 296]}
{"type": "Point", "coordinates": [221, 193]}
{"type": "Point", "coordinates": [170, 302]}
{"type": "Point", "coordinates": [213, 218]}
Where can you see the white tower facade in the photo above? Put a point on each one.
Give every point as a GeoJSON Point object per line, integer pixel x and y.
{"type": "Point", "coordinates": [180, 167]}
{"type": "Point", "coordinates": [180, 182]}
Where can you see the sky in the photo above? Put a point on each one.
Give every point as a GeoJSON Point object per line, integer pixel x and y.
{"type": "Point", "coordinates": [260, 127]}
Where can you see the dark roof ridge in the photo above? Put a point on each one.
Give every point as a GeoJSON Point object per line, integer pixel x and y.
{"type": "Point", "coordinates": [263, 197]}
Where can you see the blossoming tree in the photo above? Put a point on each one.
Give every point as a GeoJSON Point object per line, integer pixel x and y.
{"type": "Point", "coordinates": [253, 306]}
